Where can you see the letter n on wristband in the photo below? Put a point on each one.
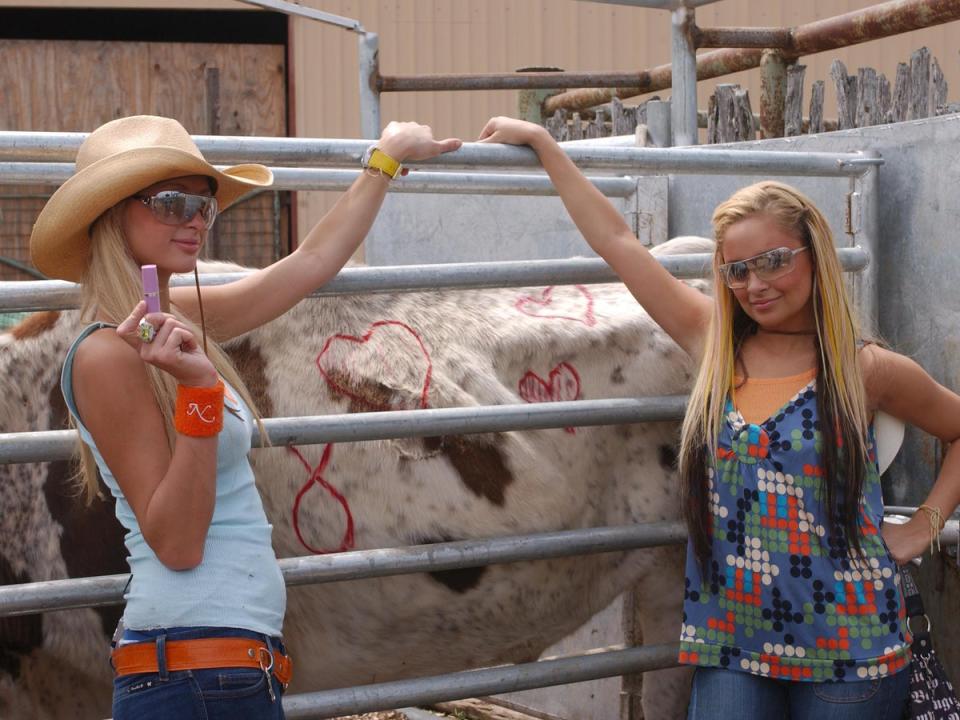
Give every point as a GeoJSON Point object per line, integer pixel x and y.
{"type": "Point", "coordinates": [199, 411]}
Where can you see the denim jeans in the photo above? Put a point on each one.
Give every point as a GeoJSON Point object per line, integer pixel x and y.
{"type": "Point", "coordinates": [719, 693]}
{"type": "Point", "coordinates": [215, 694]}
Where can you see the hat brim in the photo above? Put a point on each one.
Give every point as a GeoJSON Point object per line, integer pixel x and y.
{"type": "Point", "coordinates": [60, 241]}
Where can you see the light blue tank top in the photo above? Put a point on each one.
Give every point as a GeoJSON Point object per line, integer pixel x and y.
{"type": "Point", "coordinates": [238, 584]}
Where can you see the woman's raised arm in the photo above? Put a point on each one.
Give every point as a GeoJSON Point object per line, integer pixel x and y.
{"type": "Point", "coordinates": [680, 310]}
{"type": "Point", "coordinates": [238, 307]}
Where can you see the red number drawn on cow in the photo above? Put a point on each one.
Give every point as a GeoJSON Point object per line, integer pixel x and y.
{"type": "Point", "coordinates": [341, 352]}
{"type": "Point", "coordinates": [316, 478]}
{"type": "Point", "coordinates": [560, 303]}
{"type": "Point", "coordinates": [563, 383]}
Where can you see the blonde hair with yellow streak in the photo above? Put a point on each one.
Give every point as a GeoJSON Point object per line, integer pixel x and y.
{"type": "Point", "coordinates": [111, 288]}
{"type": "Point", "coordinates": [840, 389]}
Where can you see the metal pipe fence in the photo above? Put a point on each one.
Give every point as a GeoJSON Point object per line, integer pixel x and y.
{"type": "Point", "coordinates": [33, 447]}
{"type": "Point", "coordinates": [41, 446]}
{"type": "Point", "coordinates": [316, 152]}
{"type": "Point", "coordinates": [106, 590]}
{"type": "Point", "coordinates": [474, 683]}
{"type": "Point", "coordinates": [293, 178]}
{"type": "Point", "coordinates": [32, 295]}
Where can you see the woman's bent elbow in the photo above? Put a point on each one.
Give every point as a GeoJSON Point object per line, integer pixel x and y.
{"type": "Point", "coordinates": [180, 559]}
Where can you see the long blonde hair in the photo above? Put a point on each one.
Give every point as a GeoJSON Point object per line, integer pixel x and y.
{"type": "Point", "coordinates": [110, 288]}
{"type": "Point", "coordinates": [841, 400]}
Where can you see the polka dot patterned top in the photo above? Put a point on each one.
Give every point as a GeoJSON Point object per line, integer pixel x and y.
{"type": "Point", "coordinates": [782, 597]}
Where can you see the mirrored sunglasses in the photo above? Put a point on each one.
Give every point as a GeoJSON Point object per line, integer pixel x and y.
{"type": "Point", "coordinates": [766, 266]}
{"type": "Point", "coordinates": [172, 207]}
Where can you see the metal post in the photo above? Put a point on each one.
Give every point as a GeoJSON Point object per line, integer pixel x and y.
{"type": "Point", "coordinates": [773, 93]}
{"type": "Point", "coordinates": [658, 123]}
{"type": "Point", "coordinates": [683, 103]}
{"type": "Point", "coordinates": [864, 229]}
{"type": "Point", "coordinates": [369, 55]}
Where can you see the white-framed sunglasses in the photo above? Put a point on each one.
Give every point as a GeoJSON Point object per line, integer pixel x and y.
{"type": "Point", "coordinates": [172, 207]}
{"type": "Point", "coordinates": [768, 265]}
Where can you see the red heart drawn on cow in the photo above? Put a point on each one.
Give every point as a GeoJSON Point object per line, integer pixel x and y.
{"type": "Point", "coordinates": [389, 356]}
{"type": "Point", "coordinates": [563, 383]}
{"type": "Point", "coordinates": [560, 302]}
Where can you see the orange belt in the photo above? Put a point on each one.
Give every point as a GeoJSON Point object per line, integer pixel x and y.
{"type": "Point", "coordinates": [202, 654]}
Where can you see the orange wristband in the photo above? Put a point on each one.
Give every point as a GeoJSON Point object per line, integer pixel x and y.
{"type": "Point", "coordinates": [199, 411]}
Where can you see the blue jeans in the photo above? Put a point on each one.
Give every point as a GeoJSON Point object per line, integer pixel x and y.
{"type": "Point", "coordinates": [215, 694]}
{"type": "Point", "coordinates": [719, 693]}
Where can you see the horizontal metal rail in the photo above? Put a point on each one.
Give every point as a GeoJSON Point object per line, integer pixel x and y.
{"type": "Point", "coordinates": [742, 37]}
{"type": "Point", "coordinates": [288, 152]}
{"type": "Point", "coordinates": [286, 178]}
{"type": "Point", "coordinates": [106, 590]}
{"type": "Point", "coordinates": [33, 295]}
{"type": "Point", "coordinates": [45, 446]}
{"type": "Point", "coordinates": [476, 683]}
{"type": "Point", "coordinates": [505, 81]}
{"type": "Point", "coordinates": [658, 4]}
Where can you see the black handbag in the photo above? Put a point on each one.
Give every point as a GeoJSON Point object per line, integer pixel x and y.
{"type": "Point", "coordinates": [931, 693]}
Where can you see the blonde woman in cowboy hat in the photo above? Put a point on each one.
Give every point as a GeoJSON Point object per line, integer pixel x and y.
{"type": "Point", "coordinates": [167, 422]}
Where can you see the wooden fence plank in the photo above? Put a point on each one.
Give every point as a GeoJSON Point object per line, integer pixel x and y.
{"type": "Point", "coordinates": [816, 106]}
{"type": "Point", "coordinates": [557, 125]}
{"type": "Point", "coordinates": [793, 112]}
{"type": "Point", "coordinates": [745, 126]}
{"type": "Point", "coordinates": [623, 120]}
{"type": "Point", "coordinates": [938, 88]}
{"type": "Point", "coordinates": [598, 128]}
{"type": "Point", "coordinates": [712, 126]}
{"type": "Point", "coordinates": [576, 127]}
{"type": "Point", "coordinates": [884, 99]}
{"type": "Point", "coordinates": [899, 105]}
{"type": "Point", "coordinates": [919, 84]}
{"type": "Point", "coordinates": [846, 87]}
{"type": "Point", "coordinates": [726, 128]}
{"type": "Point", "coordinates": [867, 98]}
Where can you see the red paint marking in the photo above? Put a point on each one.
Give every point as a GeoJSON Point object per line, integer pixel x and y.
{"type": "Point", "coordinates": [582, 304]}
{"type": "Point", "coordinates": [563, 384]}
{"type": "Point", "coordinates": [316, 478]}
{"type": "Point", "coordinates": [363, 340]}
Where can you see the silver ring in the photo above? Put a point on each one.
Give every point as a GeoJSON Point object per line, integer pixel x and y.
{"type": "Point", "coordinates": [145, 331]}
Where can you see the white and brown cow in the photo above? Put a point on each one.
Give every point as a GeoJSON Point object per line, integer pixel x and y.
{"type": "Point", "coordinates": [379, 352]}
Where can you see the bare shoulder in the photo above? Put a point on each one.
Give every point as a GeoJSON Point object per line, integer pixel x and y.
{"type": "Point", "coordinates": [104, 351]}
{"type": "Point", "coordinates": [107, 369]}
{"type": "Point", "coordinates": [899, 386]}
{"type": "Point", "coordinates": [873, 360]}
{"type": "Point", "coordinates": [879, 367]}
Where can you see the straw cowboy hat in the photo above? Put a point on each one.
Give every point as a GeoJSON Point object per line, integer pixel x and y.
{"type": "Point", "coordinates": [115, 161]}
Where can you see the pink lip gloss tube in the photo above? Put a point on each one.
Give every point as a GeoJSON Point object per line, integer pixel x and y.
{"type": "Point", "coordinates": [151, 287]}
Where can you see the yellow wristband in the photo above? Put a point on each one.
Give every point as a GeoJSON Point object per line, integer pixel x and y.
{"type": "Point", "coordinates": [376, 159]}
